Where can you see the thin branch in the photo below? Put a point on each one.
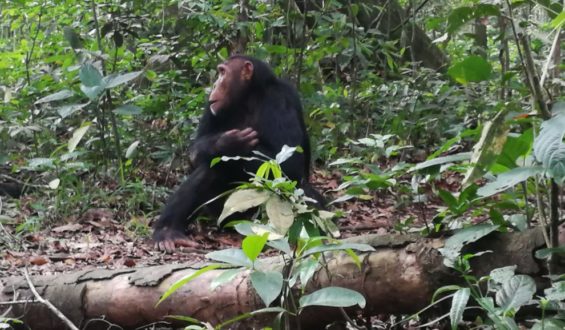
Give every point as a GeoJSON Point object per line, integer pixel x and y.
{"type": "Point", "coordinates": [550, 56]}
{"type": "Point", "coordinates": [18, 302]}
{"type": "Point", "coordinates": [410, 17]}
{"type": "Point", "coordinates": [47, 303]}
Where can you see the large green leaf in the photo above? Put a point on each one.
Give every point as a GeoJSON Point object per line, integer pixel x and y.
{"type": "Point", "coordinates": [77, 136]}
{"type": "Point", "coordinates": [455, 243]}
{"type": "Point", "coordinates": [458, 305]}
{"type": "Point", "coordinates": [280, 213]}
{"type": "Point", "coordinates": [516, 293]}
{"type": "Point", "coordinates": [442, 160]}
{"type": "Point", "coordinates": [226, 276]}
{"type": "Point", "coordinates": [92, 84]}
{"type": "Point", "coordinates": [508, 180]}
{"type": "Point", "coordinates": [114, 80]}
{"type": "Point", "coordinates": [252, 245]}
{"type": "Point", "coordinates": [549, 148]}
{"type": "Point", "coordinates": [556, 292]}
{"type": "Point", "coordinates": [175, 286]}
{"type": "Point", "coordinates": [68, 110]}
{"type": "Point", "coordinates": [488, 148]}
{"type": "Point", "coordinates": [128, 110]}
{"type": "Point", "coordinates": [60, 95]}
{"type": "Point", "coordinates": [333, 297]}
{"type": "Point", "coordinates": [471, 69]}
{"type": "Point", "coordinates": [267, 284]}
{"type": "Point", "coordinates": [72, 37]}
{"type": "Point", "coordinates": [459, 16]}
{"type": "Point", "coordinates": [234, 257]}
{"type": "Point", "coordinates": [243, 200]}
{"type": "Point", "coordinates": [514, 148]}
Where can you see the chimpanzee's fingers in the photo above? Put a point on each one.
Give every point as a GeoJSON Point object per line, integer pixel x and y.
{"type": "Point", "coordinates": [253, 142]}
{"type": "Point", "coordinates": [231, 132]}
{"type": "Point", "coordinates": [246, 130]}
{"type": "Point", "coordinates": [186, 242]}
{"type": "Point", "coordinates": [170, 246]}
{"type": "Point", "coordinates": [250, 135]}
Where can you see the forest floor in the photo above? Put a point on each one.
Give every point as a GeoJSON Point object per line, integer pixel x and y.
{"type": "Point", "coordinates": [99, 238]}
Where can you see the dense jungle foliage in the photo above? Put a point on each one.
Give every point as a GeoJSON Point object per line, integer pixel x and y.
{"type": "Point", "coordinates": [100, 98]}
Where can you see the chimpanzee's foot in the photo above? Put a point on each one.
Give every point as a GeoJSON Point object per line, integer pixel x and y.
{"type": "Point", "coordinates": [166, 239]}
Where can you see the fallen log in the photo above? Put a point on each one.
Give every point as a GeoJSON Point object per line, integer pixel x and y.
{"type": "Point", "coordinates": [398, 278]}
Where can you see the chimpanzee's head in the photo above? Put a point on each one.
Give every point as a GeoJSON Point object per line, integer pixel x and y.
{"type": "Point", "coordinates": [238, 78]}
{"type": "Point", "coordinates": [234, 77]}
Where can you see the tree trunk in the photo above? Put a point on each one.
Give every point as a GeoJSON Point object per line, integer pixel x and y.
{"type": "Point", "coordinates": [399, 277]}
{"type": "Point", "coordinates": [421, 47]}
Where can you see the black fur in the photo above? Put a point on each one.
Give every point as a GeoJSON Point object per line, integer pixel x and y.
{"type": "Point", "coordinates": [273, 109]}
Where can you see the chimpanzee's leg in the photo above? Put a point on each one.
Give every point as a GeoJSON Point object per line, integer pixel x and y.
{"type": "Point", "coordinates": [202, 185]}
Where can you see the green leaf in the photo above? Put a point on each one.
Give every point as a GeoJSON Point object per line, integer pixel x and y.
{"type": "Point", "coordinates": [549, 148]}
{"type": "Point", "coordinates": [60, 95]}
{"type": "Point", "coordinates": [242, 200]}
{"type": "Point", "coordinates": [556, 292]}
{"type": "Point", "coordinates": [508, 180]}
{"type": "Point", "coordinates": [516, 293]}
{"type": "Point", "coordinates": [448, 199]}
{"type": "Point", "coordinates": [250, 314]}
{"type": "Point", "coordinates": [114, 80]}
{"type": "Point", "coordinates": [72, 37]}
{"type": "Point", "coordinates": [252, 245]}
{"type": "Point", "coordinates": [558, 21]}
{"type": "Point", "coordinates": [234, 257]}
{"type": "Point", "coordinates": [281, 245]}
{"type": "Point", "coordinates": [514, 148]}
{"type": "Point", "coordinates": [37, 163]}
{"type": "Point", "coordinates": [90, 76]}
{"type": "Point", "coordinates": [333, 297]}
{"type": "Point", "coordinates": [225, 277]}
{"type": "Point", "coordinates": [68, 110]}
{"type": "Point", "coordinates": [285, 153]}
{"type": "Point", "coordinates": [447, 288]}
{"type": "Point", "coordinates": [459, 16]}
{"type": "Point", "coordinates": [91, 81]}
{"type": "Point", "coordinates": [455, 243]}
{"type": "Point", "coordinates": [442, 160]}
{"type": "Point", "coordinates": [128, 110]}
{"type": "Point", "coordinates": [280, 213]}
{"type": "Point", "coordinates": [268, 285]}
{"type": "Point", "coordinates": [490, 145]}
{"type": "Point", "coordinates": [471, 69]}
{"type": "Point", "coordinates": [77, 136]}
{"type": "Point", "coordinates": [458, 305]}
{"type": "Point", "coordinates": [306, 269]}
{"type": "Point", "coordinates": [546, 253]}
{"type": "Point", "coordinates": [175, 286]}
{"type": "Point", "coordinates": [130, 152]}
{"type": "Point", "coordinates": [502, 275]}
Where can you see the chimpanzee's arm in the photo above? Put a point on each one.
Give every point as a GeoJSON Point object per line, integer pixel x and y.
{"type": "Point", "coordinates": [281, 123]}
{"type": "Point", "coordinates": [212, 141]}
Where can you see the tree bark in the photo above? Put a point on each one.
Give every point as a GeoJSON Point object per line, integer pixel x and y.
{"type": "Point", "coordinates": [399, 277]}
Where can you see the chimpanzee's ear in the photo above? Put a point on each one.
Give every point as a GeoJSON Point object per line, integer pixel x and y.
{"type": "Point", "coordinates": [247, 70]}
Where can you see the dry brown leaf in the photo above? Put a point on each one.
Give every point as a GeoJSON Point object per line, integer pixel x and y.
{"type": "Point", "coordinates": [38, 260]}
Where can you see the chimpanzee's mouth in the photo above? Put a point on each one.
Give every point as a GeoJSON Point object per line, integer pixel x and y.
{"type": "Point", "coordinates": [211, 105]}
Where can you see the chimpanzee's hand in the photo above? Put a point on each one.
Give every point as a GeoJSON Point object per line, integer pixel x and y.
{"type": "Point", "coordinates": [167, 239]}
{"type": "Point", "coordinates": [237, 142]}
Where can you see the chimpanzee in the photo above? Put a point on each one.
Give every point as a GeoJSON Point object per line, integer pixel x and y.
{"type": "Point", "coordinates": [249, 109]}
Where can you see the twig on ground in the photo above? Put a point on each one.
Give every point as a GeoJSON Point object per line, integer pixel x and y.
{"type": "Point", "coordinates": [47, 303]}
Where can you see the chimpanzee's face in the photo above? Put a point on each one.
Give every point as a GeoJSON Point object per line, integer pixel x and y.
{"type": "Point", "coordinates": [233, 77]}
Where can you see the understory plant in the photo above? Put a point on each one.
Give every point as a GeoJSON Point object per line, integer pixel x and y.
{"type": "Point", "coordinates": [289, 225]}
